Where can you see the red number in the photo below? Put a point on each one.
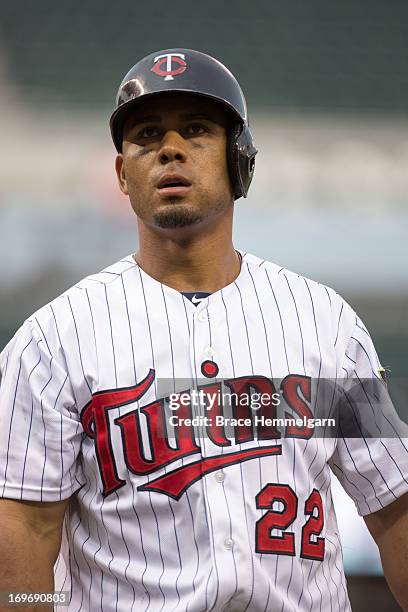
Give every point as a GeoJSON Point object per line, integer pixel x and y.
{"type": "Point", "coordinates": [284, 544]}
{"type": "Point", "coordinates": [313, 549]}
{"type": "Point", "coordinates": [276, 519]}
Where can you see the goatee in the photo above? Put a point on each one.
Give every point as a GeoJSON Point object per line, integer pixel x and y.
{"type": "Point", "coordinates": [175, 216]}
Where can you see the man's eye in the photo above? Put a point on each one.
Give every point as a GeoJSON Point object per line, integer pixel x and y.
{"type": "Point", "coordinates": [195, 128]}
{"type": "Point", "coordinates": [149, 132]}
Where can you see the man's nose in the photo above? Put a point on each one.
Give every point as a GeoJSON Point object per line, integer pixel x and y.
{"type": "Point", "coordinates": [172, 148]}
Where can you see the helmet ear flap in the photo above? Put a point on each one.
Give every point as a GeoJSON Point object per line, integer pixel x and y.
{"type": "Point", "coordinates": [241, 153]}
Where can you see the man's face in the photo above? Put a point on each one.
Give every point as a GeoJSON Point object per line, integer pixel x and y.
{"type": "Point", "coordinates": [174, 161]}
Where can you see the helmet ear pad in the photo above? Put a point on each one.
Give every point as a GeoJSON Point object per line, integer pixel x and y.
{"type": "Point", "coordinates": [241, 153]}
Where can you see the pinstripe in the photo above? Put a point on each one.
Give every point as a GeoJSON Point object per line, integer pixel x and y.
{"type": "Point", "coordinates": [95, 487]}
{"type": "Point", "coordinates": [321, 594]}
{"type": "Point", "coordinates": [133, 489]}
{"type": "Point", "coordinates": [263, 322]}
{"type": "Point", "coordinates": [116, 494]}
{"type": "Point", "coordinates": [222, 450]}
{"type": "Point", "coordinates": [79, 344]}
{"type": "Point", "coordinates": [270, 374]}
{"type": "Point", "coordinates": [206, 590]}
{"type": "Point", "coordinates": [246, 327]}
{"type": "Point", "coordinates": [269, 595]}
{"type": "Point", "coordinates": [318, 380]}
{"type": "Point", "coordinates": [150, 498]}
{"type": "Point", "coordinates": [111, 337]}
{"type": "Point", "coordinates": [59, 339]}
{"type": "Point", "coordinates": [29, 429]}
{"type": "Point", "coordinates": [170, 504]}
{"type": "Point", "coordinates": [210, 522]}
{"type": "Point", "coordinates": [307, 441]}
{"type": "Point", "coordinates": [240, 446]}
{"type": "Point", "coordinates": [291, 565]}
{"type": "Point", "coordinates": [95, 478]}
{"type": "Point", "coordinates": [364, 351]}
{"type": "Point", "coordinates": [341, 575]}
{"type": "Point", "coordinates": [350, 482]}
{"type": "Point", "coordinates": [316, 330]}
{"type": "Point", "coordinates": [80, 586]}
{"type": "Point", "coordinates": [338, 324]}
{"type": "Point", "coordinates": [298, 320]}
{"type": "Point", "coordinates": [324, 490]}
{"type": "Point", "coordinates": [288, 369]}
{"type": "Point", "coordinates": [280, 317]}
{"type": "Point", "coordinates": [12, 415]}
{"type": "Point", "coordinates": [230, 535]}
{"type": "Point", "coordinates": [128, 553]}
{"type": "Point", "coordinates": [101, 508]}
{"type": "Point", "coordinates": [89, 573]}
{"type": "Point", "coordinates": [3, 371]}
{"type": "Point", "coordinates": [65, 530]}
{"type": "Point", "coordinates": [61, 434]}
{"type": "Point", "coordinates": [335, 586]}
{"type": "Point", "coordinates": [229, 335]}
{"type": "Point", "coordinates": [308, 590]}
{"type": "Point", "coordinates": [363, 329]}
{"type": "Point", "coordinates": [43, 422]}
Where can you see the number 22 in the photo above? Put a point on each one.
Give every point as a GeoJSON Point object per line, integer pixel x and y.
{"type": "Point", "coordinates": [284, 544]}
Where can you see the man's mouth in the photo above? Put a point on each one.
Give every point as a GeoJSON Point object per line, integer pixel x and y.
{"type": "Point", "coordinates": [173, 184]}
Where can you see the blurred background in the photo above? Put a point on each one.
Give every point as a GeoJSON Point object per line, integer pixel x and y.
{"type": "Point", "coordinates": [327, 90]}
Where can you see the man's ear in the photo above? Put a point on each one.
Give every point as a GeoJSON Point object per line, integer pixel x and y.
{"type": "Point", "coordinates": [120, 173]}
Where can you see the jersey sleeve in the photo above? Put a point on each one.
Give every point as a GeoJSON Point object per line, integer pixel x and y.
{"type": "Point", "coordinates": [40, 429]}
{"type": "Point", "coordinates": [372, 469]}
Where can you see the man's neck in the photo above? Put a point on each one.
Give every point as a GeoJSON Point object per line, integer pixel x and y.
{"type": "Point", "coordinates": [208, 262]}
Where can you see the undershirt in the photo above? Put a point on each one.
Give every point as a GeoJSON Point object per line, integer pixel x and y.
{"type": "Point", "coordinates": [195, 296]}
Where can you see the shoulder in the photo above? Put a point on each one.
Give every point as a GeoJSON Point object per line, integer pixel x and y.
{"type": "Point", "coordinates": [107, 276]}
{"type": "Point", "coordinates": [306, 296]}
{"type": "Point", "coordinates": [281, 277]}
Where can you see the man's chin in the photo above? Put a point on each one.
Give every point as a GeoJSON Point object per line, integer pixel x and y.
{"type": "Point", "coordinates": [176, 216]}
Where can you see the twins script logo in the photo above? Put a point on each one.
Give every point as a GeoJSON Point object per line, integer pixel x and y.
{"type": "Point", "coordinates": [168, 60]}
{"type": "Point", "coordinates": [145, 455]}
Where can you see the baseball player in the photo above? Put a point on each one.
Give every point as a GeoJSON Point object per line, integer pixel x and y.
{"type": "Point", "coordinates": [145, 497]}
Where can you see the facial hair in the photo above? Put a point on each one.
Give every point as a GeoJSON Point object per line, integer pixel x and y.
{"type": "Point", "coordinates": [174, 216]}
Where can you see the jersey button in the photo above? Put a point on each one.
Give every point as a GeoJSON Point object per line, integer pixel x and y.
{"type": "Point", "coordinates": [203, 316]}
{"type": "Point", "coordinates": [220, 476]}
{"type": "Point", "coordinates": [209, 352]}
{"type": "Point", "coordinates": [228, 544]}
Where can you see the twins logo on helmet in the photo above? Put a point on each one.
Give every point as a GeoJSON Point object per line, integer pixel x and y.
{"type": "Point", "coordinates": [168, 59]}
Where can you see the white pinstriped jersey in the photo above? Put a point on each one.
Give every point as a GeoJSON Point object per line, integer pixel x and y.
{"type": "Point", "coordinates": [200, 524]}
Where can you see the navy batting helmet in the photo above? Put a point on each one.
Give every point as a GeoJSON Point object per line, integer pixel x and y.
{"type": "Point", "coordinates": [188, 71]}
